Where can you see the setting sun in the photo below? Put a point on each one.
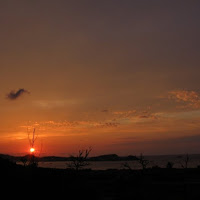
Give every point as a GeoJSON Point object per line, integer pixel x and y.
{"type": "Point", "coordinates": [32, 150]}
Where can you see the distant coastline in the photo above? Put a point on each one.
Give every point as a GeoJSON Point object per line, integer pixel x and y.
{"type": "Point", "coordinates": [107, 157]}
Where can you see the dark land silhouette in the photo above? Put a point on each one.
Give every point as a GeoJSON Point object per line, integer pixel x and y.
{"type": "Point", "coordinates": [107, 157]}
{"type": "Point", "coordinates": [30, 181]}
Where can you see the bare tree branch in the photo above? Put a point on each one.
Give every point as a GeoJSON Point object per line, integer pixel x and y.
{"type": "Point", "coordinates": [80, 161]}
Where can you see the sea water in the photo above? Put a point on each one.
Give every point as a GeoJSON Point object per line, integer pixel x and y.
{"type": "Point", "coordinates": [159, 161]}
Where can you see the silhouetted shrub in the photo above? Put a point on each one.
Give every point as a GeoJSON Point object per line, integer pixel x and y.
{"type": "Point", "coordinates": [126, 165]}
{"type": "Point", "coordinates": [169, 165]}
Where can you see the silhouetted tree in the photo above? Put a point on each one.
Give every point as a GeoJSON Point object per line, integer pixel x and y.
{"type": "Point", "coordinates": [142, 161]}
{"type": "Point", "coordinates": [185, 161]}
{"type": "Point", "coordinates": [81, 160]}
{"type": "Point", "coordinates": [33, 161]}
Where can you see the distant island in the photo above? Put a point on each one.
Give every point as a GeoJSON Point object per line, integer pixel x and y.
{"type": "Point", "coordinates": [107, 157]}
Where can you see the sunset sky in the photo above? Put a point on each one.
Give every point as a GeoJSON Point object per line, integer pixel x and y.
{"type": "Point", "coordinates": [120, 76]}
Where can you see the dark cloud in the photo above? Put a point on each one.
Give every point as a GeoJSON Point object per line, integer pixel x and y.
{"type": "Point", "coordinates": [144, 116]}
{"type": "Point", "coordinates": [14, 95]}
{"type": "Point", "coordinates": [149, 116]}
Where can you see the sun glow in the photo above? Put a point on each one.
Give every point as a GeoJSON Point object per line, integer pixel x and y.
{"type": "Point", "coordinates": [32, 150]}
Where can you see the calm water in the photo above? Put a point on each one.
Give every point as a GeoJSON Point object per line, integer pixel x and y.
{"type": "Point", "coordinates": [160, 161]}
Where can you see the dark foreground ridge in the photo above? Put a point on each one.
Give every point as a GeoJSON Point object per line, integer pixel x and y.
{"type": "Point", "coordinates": [159, 184]}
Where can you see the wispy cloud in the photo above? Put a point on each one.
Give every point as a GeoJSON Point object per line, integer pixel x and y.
{"type": "Point", "coordinates": [15, 95]}
{"type": "Point", "coordinates": [136, 115]}
{"type": "Point", "coordinates": [188, 97]}
{"type": "Point", "coordinates": [124, 114]}
{"type": "Point", "coordinates": [69, 125]}
{"type": "Point", "coordinates": [49, 104]}
{"type": "Point", "coordinates": [149, 116]}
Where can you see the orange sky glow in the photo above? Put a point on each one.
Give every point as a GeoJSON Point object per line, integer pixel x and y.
{"type": "Point", "coordinates": [117, 76]}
